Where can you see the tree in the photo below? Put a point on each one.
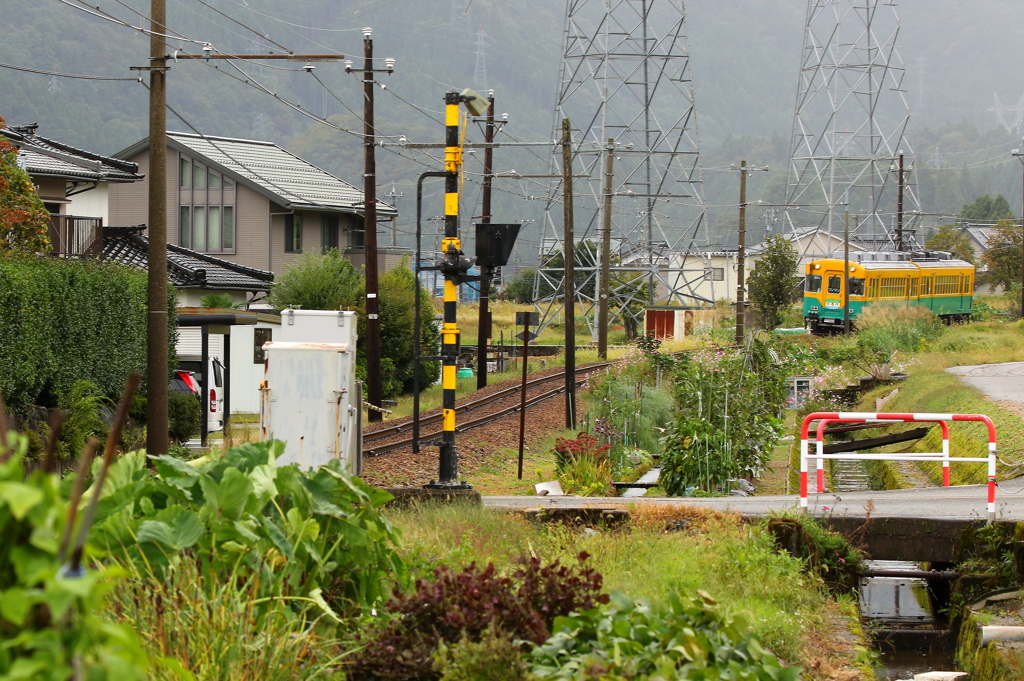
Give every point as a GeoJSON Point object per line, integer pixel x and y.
{"type": "Point", "coordinates": [952, 239]}
{"type": "Point", "coordinates": [331, 282]}
{"type": "Point", "coordinates": [24, 219]}
{"type": "Point", "coordinates": [986, 209]}
{"type": "Point", "coordinates": [520, 289]}
{"type": "Point", "coordinates": [773, 282]}
{"type": "Point", "coordinates": [1003, 257]}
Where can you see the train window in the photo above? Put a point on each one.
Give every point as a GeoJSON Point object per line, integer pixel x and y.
{"type": "Point", "coordinates": [856, 286]}
{"type": "Point", "coordinates": [812, 284]}
{"type": "Point", "coordinates": [835, 284]}
{"type": "Point", "coordinates": [913, 288]}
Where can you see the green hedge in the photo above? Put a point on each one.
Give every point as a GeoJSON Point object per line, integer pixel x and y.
{"type": "Point", "coordinates": [62, 321]}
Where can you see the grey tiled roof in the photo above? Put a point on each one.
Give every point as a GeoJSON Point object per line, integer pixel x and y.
{"type": "Point", "coordinates": [185, 267]}
{"type": "Point", "coordinates": [42, 156]}
{"type": "Point", "coordinates": [294, 182]}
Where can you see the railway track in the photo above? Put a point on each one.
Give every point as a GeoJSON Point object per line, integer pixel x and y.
{"type": "Point", "coordinates": [376, 442]}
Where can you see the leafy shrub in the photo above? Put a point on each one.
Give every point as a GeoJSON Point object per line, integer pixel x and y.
{"type": "Point", "coordinates": [315, 538]}
{"type": "Point", "coordinates": [184, 416]}
{"type": "Point", "coordinates": [49, 622]}
{"type": "Point", "coordinates": [24, 220]}
{"type": "Point", "coordinates": [64, 320]}
{"type": "Point", "coordinates": [457, 606]}
{"type": "Point", "coordinates": [632, 639]}
{"type": "Point", "coordinates": [495, 657]}
{"type": "Point", "coordinates": [585, 444]}
{"type": "Point", "coordinates": [583, 465]}
{"type": "Point", "coordinates": [729, 404]}
{"type": "Point", "coordinates": [82, 420]}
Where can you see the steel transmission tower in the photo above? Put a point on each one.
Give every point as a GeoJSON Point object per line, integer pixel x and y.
{"type": "Point", "coordinates": [480, 71]}
{"type": "Point", "coordinates": [849, 128]}
{"type": "Point", "coordinates": [625, 77]}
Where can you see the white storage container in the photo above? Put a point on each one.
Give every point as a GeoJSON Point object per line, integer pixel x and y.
{"type": "Point", "coordinates": [311, 401]}
{"type": "Point", "coordinates": [318, 326]}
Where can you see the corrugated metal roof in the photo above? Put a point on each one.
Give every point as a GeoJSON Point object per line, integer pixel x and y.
{"type": "Point", "coordinates": [47, 157]}
{"type": "Point", "coordinates": [185, 267]}
{"type": "Point", "coordinates": [294, 182]}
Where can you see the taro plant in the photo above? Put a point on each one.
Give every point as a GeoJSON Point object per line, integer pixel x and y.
{"type": "Point", "coordinates": [50, 616]}
{"type": "Point", "coordinates": [685, 638]}
{"type": "Point", "coordinates": [314, 539]}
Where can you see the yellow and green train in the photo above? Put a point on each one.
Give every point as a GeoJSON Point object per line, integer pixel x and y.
{"type": "Point", "coordinates": [945, 287]}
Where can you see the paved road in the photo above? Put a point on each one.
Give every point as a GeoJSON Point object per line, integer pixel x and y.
{"type": "Point", "coordinates": [965, 502]}
{"type": "Point", "coordinates": [998, 381]}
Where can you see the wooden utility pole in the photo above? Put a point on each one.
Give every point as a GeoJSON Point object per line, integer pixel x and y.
{"type": "Point", "coordinates": [569, 255]}
{"type": "Point", "coordinates": [606, 253]}
{"type": "Point", "coordinates": [484, 334]}
{"type": "Point", "coordinates": [899, 208]}
{"type": "Point", "coordinates": [374, 388]}
{"type": "Point", "coordinates": [741, 255]}
{"type": "Point", "coordinates": [157, 374]}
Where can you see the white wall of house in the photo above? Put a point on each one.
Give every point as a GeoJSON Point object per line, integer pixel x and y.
{"type": "Point", "coordinates": [246, 373]}
{"type": "Point", "coordinates": [721, 282]}
{"type": "Point", "coordinates": [93, 203]}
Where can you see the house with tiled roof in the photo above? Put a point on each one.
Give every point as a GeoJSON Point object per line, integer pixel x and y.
{"type": "Point", "coordinates": [74, 185]}
{"type": "Point", "coordinates": [193, 274]}
{"type": "Point", "coordinates": [250, 202]}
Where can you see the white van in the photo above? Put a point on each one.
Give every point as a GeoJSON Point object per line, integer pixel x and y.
{"type": "Point", "coordinates": [215, 387]}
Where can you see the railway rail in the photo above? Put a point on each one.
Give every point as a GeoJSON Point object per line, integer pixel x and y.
{"type": "Point", "coordinates": [371, 439]}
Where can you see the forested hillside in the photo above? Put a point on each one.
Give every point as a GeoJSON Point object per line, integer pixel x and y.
{"type": "Point", "coordinates": [746, 56]}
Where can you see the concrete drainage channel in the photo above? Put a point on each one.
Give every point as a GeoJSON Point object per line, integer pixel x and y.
{"type": "Point", "coordinates": [912, 639]}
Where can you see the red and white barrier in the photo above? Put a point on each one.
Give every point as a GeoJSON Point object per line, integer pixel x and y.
{"type": "Point", "coordinates": [824, 418]}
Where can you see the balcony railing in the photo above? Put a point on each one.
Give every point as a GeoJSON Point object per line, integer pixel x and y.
{"type": "Point", "coordinates": [76, 236]}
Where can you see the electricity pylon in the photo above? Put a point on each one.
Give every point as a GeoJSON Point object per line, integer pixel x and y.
{"type": "Point", "coordinates": [849, 128]}
{"type": "Point", "coordinates": [626, 86]}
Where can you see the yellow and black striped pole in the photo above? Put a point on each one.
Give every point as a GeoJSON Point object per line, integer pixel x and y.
{"type": "Point", "coordinates": [451, 249]}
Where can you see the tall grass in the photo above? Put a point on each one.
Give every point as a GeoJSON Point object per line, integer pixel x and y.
{"type": "Point", "coordinates": [210, 628]}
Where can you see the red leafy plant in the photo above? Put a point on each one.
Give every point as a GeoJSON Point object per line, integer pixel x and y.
{"type": "Point", "coordinates": [450, 606]}
{"type": "Point", "coordinates": [585, 445]}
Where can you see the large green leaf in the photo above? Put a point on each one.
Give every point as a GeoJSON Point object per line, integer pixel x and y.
{"type": "Point", "coordinates": [20, 497]}
{"type": "Point", "coordinates": [183, 531]}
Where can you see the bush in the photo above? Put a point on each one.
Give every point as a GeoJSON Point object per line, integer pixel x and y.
{"type": "Point", "coordinates": [315, 540]}
{"type": "Point", "coordinates": [63, 320]}
{"type": "Point", "coordinates": [687, 638]}
{"type": "Point", "coordinates": [457, 606]}
{"type": "Point", "coordinates": [495, 657]}
{"type": "Point", "coordinates": [184, 416]}
{"type": "Point", "coordinates": [583, 466]}
{"type": "Point", "coordinates": [82, 419]}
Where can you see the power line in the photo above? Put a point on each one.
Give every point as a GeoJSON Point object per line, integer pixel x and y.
{"type": "Point", "coordinates": [230, 18]}
{"type": "Point", "coordinates": [65, 75]}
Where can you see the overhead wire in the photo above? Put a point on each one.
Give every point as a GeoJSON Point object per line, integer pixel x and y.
{"type": "Point", "coordinates": [67, 75]}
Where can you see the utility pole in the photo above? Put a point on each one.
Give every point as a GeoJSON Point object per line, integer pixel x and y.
{"type": "Point", "coordinates": [156, 283]}
{"type": "Point", "coordinates": [846, 266]}
{"type": "Point", "coordinates": [569, 256]}
{"type": "Point", "coordinates": [374, 389]}
{"type": "Point", "coordinates": [606, 251]}
{"type": "Point", "coordinates": [741, 255]}
{"type": "Point", "coordinates": [899, 207]}
{"type": "Point", "coordinates": [484, 333]}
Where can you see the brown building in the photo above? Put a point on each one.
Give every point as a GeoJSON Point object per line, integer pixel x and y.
{"type": "Point", "coordinates": [249, 202]}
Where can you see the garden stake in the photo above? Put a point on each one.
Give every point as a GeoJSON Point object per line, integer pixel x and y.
{"type": "Point", "coordinates": [50, 453]}
{"type": "Point", "coordinates": [522, 398]}
{"type": "Point", "coordinates": [113, 437]}
{"type": "Point", "coordinates": [84, 461]}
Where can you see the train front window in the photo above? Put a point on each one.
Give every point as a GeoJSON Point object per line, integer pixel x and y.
{"type": "Point", "coordinates": [835, 284]}
{"type": "Point", "coordinates": [812, 284]}
{"type": "Point", "coordinates": [856, 286]}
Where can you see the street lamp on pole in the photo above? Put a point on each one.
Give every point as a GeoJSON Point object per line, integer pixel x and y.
{"type": "Point", "coordinates": [1020, 154]}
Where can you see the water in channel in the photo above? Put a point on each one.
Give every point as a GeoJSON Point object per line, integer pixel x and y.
{"type": "Point", "coordinates": [909, 637]}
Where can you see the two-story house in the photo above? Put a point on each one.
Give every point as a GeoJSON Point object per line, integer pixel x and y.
{"type": "Point", "coordinates": [250, 202]}
{"type": "Point", "coordinates": [74, 185]}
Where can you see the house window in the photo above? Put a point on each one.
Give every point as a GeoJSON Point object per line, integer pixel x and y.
{"type": "Point", "coordinates": [328, 232]}
{"type": "Point", "coordinates": [259, 337]}
{"type": "Point", "coordinates": [356, 234]}
{"type": "Point", "coordinates": [293, 233]}
{"type": "Point", "coordinates": [717, 274]}
{"type": "Point", "coordinates": [184, 172]}
{"type": "Point", "coordinates": [206, 211]}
